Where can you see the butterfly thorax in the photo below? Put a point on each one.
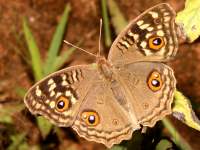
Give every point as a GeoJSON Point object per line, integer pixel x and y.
{"type": "Point", "coordinates": [105, 68]}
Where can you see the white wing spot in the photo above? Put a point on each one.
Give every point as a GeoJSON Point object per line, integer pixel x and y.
{"type": "Point", "coordinates": [58, 94]}
{"type": "Point", "coordinates": [130, 33]}
{"type": "Point", "coordinates": [52, 104]}
{"type": "Point", "coordinates": [74, 76]}
{"type": "Point", "coordinates": [52, 93]}
{"type": "Point", "coordinates": [144, 26]}
{"type": "Point", "coordinates": [136, 37]}
{"type": "Point", "coordinates": [160, 33]}
{"type": "Point", "coordinates": [43, 107]}
{"type": "Point", "coordinates": [125, 43]}
{"type": "Point", "coordinates": [38, 91]}
{"type": "Point", "coordinates": [37, 106]}
{"type": "Point", "coordinates": [143, 44]}
{"type": "Point", "coordinates": [166, 13]}
{"type": "Point", "coordinates": [67, 113]}
{"type": "Point", "coordinates": [148, 35]}
{"type": "Point", "coordinates": [53, 86]}
{"type": "Point", "coordinates": [166, 19]}
{"type": "Point", "coordinates": [33, 103]}
{"type": "Point", "coordinates": [51, 81]}
{"type": "Point", "coordinates": [150, 28]}
{"type": "Point", "coordinates": [64, 83]}
{"type": "Point", "coordinates": [159, 27]}
{"type": "Point", "coordinates": [140, 22]}
{"type": "Point", "coordinates": [73, 99]}
{"type": "Point", "coordinates": [64, 77]}
{"type": "Point", "coordinates": [170, 41]}
{"type": "Point", "coordinates": [54, 116]}
{"type": "Point", "coordinates": [147, 52]}
{"type": "Point", "coordinates": [68, 93]}
{"type": "Point", "coordinates": [153, 14]}
{"type": "Point", "coordinates": [166, 25]}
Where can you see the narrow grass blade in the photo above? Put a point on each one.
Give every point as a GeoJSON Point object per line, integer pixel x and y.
{"type": "Point", "coordinates": [44, 125]}
{"type": "Point", "coordinates": [17, 140]}
{"type": "Point", "coordinates": [60, 60]}
{"type": "Point", "coordinates": [56, 41]}
{"type": "Point", "coordinates": [107, 33]}
{"type": "Point", "coordinates": [33, 50]}
{"type": "Point", "coordinates": [164, 145]}
{"type": "Point", "coordinates": [20, 91]}
{"type": "Point", "coordinates": [8, 110]}
{"type": "Point", "coordinates": [117, 18]}
{"type": "Point", "coordinates": [177, 139]}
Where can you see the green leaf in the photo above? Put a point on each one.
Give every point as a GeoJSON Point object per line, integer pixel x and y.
{"type": "Point", "coordinates": [20, 91]}
{"type": "Point", "coordinates": [17, 140]}
{"type": "Point", "coordinates": [33, 50]}
{"type": "Point", "coordinates": [44, 125]}
{"type": "Point", "coordinates": [164, 145]}
{"type": "Point", "coordinates": [117, 18]}
{"type": "Point", "coordinates": [189, 18]}
{"type": "Point", "coordinates": [107, 33]}
{"type": "Point", "coordinates": [182, 110]}
{"type": "Point", "coordinates": [60, 60]}
{"type": "Point", "coordinates": [56, 41]}
{"type": "Point", "coordinates": [7, 112]}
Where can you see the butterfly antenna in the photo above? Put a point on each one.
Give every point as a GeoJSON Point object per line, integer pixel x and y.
{"type": "Point", "coordinates": [99, 52]}
{"type": "Point", "coordinates": [78, 48]}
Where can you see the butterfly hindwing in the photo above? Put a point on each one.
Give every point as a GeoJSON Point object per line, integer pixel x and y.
{"type": "Point", "coordinates": [102, 117]}
{"type": "Point", "coordinates": [152, 87]}
{"type": "Point", "coordinates": [151, 37]}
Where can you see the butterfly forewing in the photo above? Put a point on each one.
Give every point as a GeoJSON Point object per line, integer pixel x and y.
{"type": "Point", "coordinates": [59, 96]}
{"type": "Point", "coordinates": [150, 37]}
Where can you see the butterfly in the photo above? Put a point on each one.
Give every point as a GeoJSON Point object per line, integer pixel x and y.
{"type": "Point", "coordinates": [108, 100]}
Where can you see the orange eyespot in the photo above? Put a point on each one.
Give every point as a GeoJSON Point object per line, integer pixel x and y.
{"type": "Point", "coordinates": [62, 103]}
{"type": "Point", "coordinates": [154, 81]}
{"type": "Point", "coordinates": [156, 42]}
{"type": "Point", "coordinates": [91, 118]}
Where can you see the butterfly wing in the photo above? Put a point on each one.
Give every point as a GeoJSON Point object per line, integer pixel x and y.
{"type": "Point", "coordinates": [102, 119]}
{"type": "Point", "coordinates": [85, 93]}
{"type": "Point", "coordinates": [151, 86]}
{"type": "Point", "coordinates": [58, 96]}
{"type": "Point", "coordinates": [151, 36]}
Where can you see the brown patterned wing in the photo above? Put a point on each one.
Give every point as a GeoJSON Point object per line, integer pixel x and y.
{"type": "Point", "coordinates": [150, 37]}
{"type": "Point", "coordinates": [152, 87]}
{"type": "Point", "coordinates": [102, 118]}
{"type": "Point", "coordinates": [58, 96]}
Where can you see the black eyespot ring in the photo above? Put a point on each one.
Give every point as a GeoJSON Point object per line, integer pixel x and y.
{"type": "Point", "coordinates": [91, 118]}
{"type": "Point", "coordinates": [62, 103]}
{"type": "Point", "coordinates": [154, 81]}
{"type": "Point", "coordinates": [156, 42]}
